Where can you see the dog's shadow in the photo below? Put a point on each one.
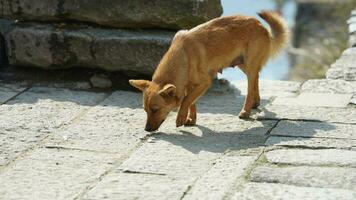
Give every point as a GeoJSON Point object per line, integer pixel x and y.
{"type": "Point", "coordinates": [201, 138]}
{"type": "Point", "coordinates": [234, 138]}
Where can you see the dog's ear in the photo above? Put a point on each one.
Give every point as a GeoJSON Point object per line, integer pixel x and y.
{"type": "Point", "coordinates": [168, 90]}
{"type": "Point", "coordinates": [140, 84]}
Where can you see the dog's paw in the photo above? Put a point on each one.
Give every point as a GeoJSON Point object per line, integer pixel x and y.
{"type": "Point", "coordinates": [181, 117]}
{"type": "Point", "coordinates": [255, 106]}
{"type": "Point", "coordinates": [190, 122]}
{"type": "Point", "coordinates": [244, 115]}
{"type": "Point", "coordinates": [180, 121]}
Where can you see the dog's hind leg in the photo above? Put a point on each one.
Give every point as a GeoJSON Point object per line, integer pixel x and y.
{"type": "Point", "coordinates": [250, 98]}
{"type": "Point", "coordinates": [257, 94]}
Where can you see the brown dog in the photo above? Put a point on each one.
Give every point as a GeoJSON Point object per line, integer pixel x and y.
{"type": "Point", "coordinates": [195, 57]}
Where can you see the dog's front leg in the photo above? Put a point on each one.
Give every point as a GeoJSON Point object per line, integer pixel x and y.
{"type": "Point", "coordinates": [192, 117]}
{"type": "Point", "coordinates": [188, 102]}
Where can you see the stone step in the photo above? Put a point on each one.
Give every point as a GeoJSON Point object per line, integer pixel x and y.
{"type": "Point", "coordinates": [322, 177]}
{"type": "Point", "coordinates": [342, 115]}
{"type": "Point", "coordinates": [270, 88]}
{"type": "Point", "coordinates": [51, 47]}
{"type": "Point", "coordinates": [329, 86]}
{"type": "Point", "coordinates": [313, 135]}
{"type": "Point", "coordinates": [315, 100]}
{"type": "Point", "coordinates": [258, 191]}
{"type": "Point", "coordinates": [314, 143]}
{"type": "Point", "coordinates": [314, 130]}
{"type": "Point", "coordinates": [324, 157]}
{"type": "Point", "coordinates": [122, 14]}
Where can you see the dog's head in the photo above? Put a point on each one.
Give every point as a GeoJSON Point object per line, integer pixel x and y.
{"type": "Point", "coordinates": [158, 101]}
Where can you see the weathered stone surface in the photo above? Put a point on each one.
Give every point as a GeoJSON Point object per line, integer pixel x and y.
{"type": "Point", "coordinates": [8, 91]}
{"type": "Point", "coordinates": [53, 174]}
{"type": "Point", "coordinates": [31, 116]}
{"type": "Point", "coordinates": [225, 104]}
{"type": "Point", "coordinates": [104, 127]}
{"type": "Point", "coordinates": [48, 47]}
{"type": "Point", "coordinates": [270, 88]}
{"type": "Point", "coordinates": [100, 81]}
{"type": "Point", "coordinates": [329, 86]}
{"type": "Point", "coordinates": [192, 151]}
{"type": "Point", "coordinates": [352, 39]}
{"type": "Point", "coordinates": [323, 177]}
{"type": "Point", "coordinates": [121, 14]}
{"type": "Point", "coordinates": [172, 160]}
{"type": "Point", "coordinates": [220, 179]}
{"type": "Point", "coordinates": [315, 100]}
{"type": "Point", "coordinates": [257, 191]}
{"type": "Point", "coordinates": [352, 29]}
{"type": "Point", "coordinates": [4, 28]}
{"type": "Point", "coordinates": [344, 115]}
{"type": "Point", "coordinates": [311, 142]}
{"type": "Point", "coordinates": [314, 129]}
{"type": "Point", "coordinates": [333, 157]}
{"type": "Point", "coordinates": [344, 67]}
{"type": "Point", "coordinates": [118, 185]}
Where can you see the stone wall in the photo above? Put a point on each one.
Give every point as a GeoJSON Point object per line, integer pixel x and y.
{"type": "Point", "coordinates": [320, 35]}
{"type": "Point", "coordinates": [352, 29]}
{"type": "Point", "coordinates": [112, 35]}
{"type": "Point", "coordinates": [345, 67]}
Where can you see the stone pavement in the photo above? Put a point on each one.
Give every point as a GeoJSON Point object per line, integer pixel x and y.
{"type": "Point", "coordinates": [60, 143]}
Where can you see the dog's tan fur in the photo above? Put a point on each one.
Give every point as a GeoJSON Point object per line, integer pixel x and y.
{"type": "Point", "coordinates": [195, 57]}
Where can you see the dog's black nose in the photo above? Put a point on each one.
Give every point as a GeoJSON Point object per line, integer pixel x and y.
{"type": "Point", "coordinates": [148, 128]}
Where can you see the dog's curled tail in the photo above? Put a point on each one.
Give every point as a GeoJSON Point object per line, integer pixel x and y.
{"type": "Point", "coordinates": [279, 31]}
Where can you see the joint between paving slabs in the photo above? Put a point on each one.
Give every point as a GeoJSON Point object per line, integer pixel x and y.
{"type": "Point", "coordinates": [41, 142]}
{"type": "Point", "coordinates": [117, 163]}
{"type": "Point", "coordinates": [16, 95]}
{"type": "Point", "coordinates": [77, 149]}
{"type": "Point", "coordinates": [227, 196]}
{"type": "Point", "coordinates": [245, 178]}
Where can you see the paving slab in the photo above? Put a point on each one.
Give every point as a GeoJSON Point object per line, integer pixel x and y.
{"type": "Point", "coordinates": [325, 157]}
{"type": "Point", "coordinates": [322, 177]}
{"type": "Point", "coordinates": [315, 100]}
{"type": "Point", "coordinates": [8, 91]}
{"type": "Point", "coordinates": [314, 129]}
{"type": "Point", "coordinates": [138, 185]}
{"type": "Point", "coordinates": [105, 126]}
{"type": "Point", "coordinates": [257, 191]}
{"type": "Point", "coordinates": [341, 115]}
{"type": "Point", "coordinates": [220, 179]}
{"type": "Point", "coordinates": [126, 186]}
{"type": "Point", "coordinates": [270, 88]}
{"type": "Point", "coordinates": [315, 143]}
{"type": "Point", "coordinates": [189, 152]}
{"type": "Point", "coordinates": [35, 114]}
{"type": "Point", "coordinates": [329, 86]}
{"type": "Point", "coordinates": [53, 174]}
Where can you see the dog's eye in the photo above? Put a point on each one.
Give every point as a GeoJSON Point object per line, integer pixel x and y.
{"type": "Point", "coordinates": [154, 110]}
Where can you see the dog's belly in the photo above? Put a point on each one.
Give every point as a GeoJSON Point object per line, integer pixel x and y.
{"type": "Point", "coordinates": [238, 61]}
